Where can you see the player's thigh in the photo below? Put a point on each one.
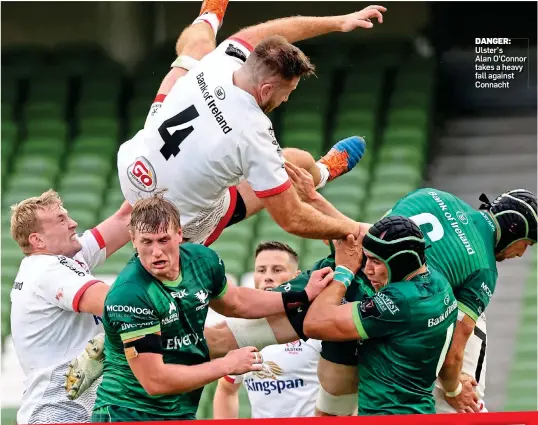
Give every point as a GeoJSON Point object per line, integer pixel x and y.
{"type": "Point", "coordinates": [253, 204]}
{"type": "Point", "coordinates": [337, 379]}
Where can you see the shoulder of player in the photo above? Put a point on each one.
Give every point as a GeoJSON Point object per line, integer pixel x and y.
{"type": "Point", "coordinates": [191, 252]}
{"type": "Point", "coordinates": [50, 263]}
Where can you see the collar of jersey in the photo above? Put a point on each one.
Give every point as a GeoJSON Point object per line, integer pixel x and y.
{"type": "Point", "coordinates": [173, 283]}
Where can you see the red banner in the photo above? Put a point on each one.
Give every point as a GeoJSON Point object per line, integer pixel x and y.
{"type": "Point", "coordinates": [516, 418]}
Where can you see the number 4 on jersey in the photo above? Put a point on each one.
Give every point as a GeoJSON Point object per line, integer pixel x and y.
{"type": "Point", "coordinates": [174, 136]}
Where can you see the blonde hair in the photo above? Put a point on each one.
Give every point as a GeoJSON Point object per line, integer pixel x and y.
{"type": "Point", "coordinates": [154, 214]}
{"type": "Point", "coordinates": [24, 220]}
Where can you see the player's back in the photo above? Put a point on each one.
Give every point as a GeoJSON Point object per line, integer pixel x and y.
{"type": "Point", "coordinates": [208, 135]}
{"type": "Point", "coordinates": [397, 371]}
{"type": "Point", "coordinates": [461, 239]}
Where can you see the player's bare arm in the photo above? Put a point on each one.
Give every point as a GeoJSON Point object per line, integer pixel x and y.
{"type": "Point", "coordinates": [115, 229]}
{"type": "Point", "coordinates": [338, 392]}
{"type": "Point", "coordinates": [303, 183]}
{"type": "Point", "coordinates": [159, 378]}
{"type": "Point", "coordinates": [220, 338]}
{"type": "Point", "coordinates": [226, 400]}
{"type": "Point", "coordinates": [459, 393]}
{"type": "Point", "coordinates": [299, 28]}
{"type": "Point", "coordinates": [301, 219]}
{"type": "Point", "coordinates": [248, 303]}
{"type": "Point", "coordinates": [328, 319]}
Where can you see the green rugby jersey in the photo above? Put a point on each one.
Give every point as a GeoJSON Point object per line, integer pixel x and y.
{"type": "Point", "coordinates": [406, 329]}
{"type": "Point", "coordinates": [462, 242]}
{"type": "Point", "coordinates": [138, 304]}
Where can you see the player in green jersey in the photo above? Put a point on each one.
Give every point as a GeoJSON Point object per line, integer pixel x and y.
{"type": "Point", "coordinates": [157, 359]}
{"type": "Point", "coordinates": [404, 330]}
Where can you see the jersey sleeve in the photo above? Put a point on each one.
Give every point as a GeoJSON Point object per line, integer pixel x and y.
{"type": "Point", "coordinates": [63, 282]}
{"type": "Point", "coordinates": [262, 160]}
{"type": "Point", "coordinates": [130, 312]}
{"type": "Point", "coordinates": [220, 283]}
{"type": "Point", "coordinates": [233, 49]}
{"type": "Point", "coordinates": [93, 248]}
{"type": "Point", "coordinates": [474, 295]}
{"type": "Point", "coordinates": [382, 315]}
{"type": "Point", "coordinates": [234, 379]}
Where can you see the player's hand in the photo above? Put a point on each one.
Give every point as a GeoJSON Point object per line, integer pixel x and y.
{"type": "Point", "coordinates": [362, 19]}
{"type": "Point", "coordinates": [302, 181]}
{"type": "Point", "coordinates": [318, 281]}
{"type": "Point", "coordinates": [348, 253]}
{"type": "Point", "coordinates": [243, 360]}
{"type": "Point", "coordinates": [466, 401]}
{"type": "Point", "coordinates": [83, 371]}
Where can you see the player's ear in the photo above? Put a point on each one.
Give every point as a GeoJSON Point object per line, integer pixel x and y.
{"type": "Point", "coordinates": [35, 240]}
{"type": "Point", "coordinates": [266, 90]}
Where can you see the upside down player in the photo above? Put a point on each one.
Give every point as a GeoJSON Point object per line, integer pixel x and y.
{"type": "Point", "coordinates": [210, 144]}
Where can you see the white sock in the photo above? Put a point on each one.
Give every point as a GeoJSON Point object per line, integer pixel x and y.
{"type": "Point", "coordinates": [324, 171]}
{"type": "Point", "coordinates": [209, 18]}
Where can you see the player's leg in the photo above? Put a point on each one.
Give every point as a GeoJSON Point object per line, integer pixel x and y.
{"type": "Point", "coordinates": [195, 42]}
{"type": "Point", "coordinates": [340, 159]}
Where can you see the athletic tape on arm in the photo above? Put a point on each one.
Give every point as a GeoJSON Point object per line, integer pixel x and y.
{"type": "Point", "coordinates": [185, 62]}
{"type": "Point", "coordinates": [252, 332]}
{"type": "Point", "coordinates": [338, 405]}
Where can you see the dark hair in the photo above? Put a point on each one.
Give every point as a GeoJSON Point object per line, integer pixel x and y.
{"type": "Point", "coordinates": [276, 56]}
{"type": "Point", "coordinates": [154, 215]}
{"type": "Point", "coordinates": [277, 246]}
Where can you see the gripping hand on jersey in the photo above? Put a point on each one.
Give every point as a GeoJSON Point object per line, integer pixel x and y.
{"type": "Point", "coordinates": [84, 370]}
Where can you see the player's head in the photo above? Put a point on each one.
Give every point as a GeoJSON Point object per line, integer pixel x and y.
{"type": "Point", "coordinates": [41, 225]}
{"type": "Point", "coordinates": [275, 68]}
{"type": "Point", "coordinates": [394, 248]}
{"type": "Point", "coordinates": [515, 215]}
{"type": "Point", "coordinates": [156, 235]}
{"type": "Point", "coordinates": [275, 263]}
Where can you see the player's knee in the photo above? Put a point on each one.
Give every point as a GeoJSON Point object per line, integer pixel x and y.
{"type": "Point", "coordinates": [195, 46]}
{"type": "Point", "coordinates": [299, 157]}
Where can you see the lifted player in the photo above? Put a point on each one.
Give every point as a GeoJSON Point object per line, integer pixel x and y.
{"type": "Point", "coordinates": [211, 131]}
{"type": "Point", "coordinates": [157, 360]}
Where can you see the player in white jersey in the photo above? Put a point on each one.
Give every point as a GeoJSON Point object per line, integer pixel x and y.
{"type": "Point", "coordinates": [288, 385]}
{"type": "Point", "coordinates": [56, 303]}
{"type": "Point", "coordinates": [473, 368]}
{"type": "Point", "coordinates": [209, 143]}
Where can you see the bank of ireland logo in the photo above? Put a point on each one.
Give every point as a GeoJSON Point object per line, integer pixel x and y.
{"type": "Point", "coordinates": [462, 217]}
{"type": "Point", "coordinates": [220, 93]}
{"type": "Point", "coordinates": [447, 300]}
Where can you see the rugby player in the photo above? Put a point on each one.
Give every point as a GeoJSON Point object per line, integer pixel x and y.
{"type": "Point", "coordinates": [157, 360]}
{"type": "Point", "coordinates": [404, 330]}
{"type": "Point", "coordinates": [209, 142]}
{"type": "Point", "coordinates": [56, 303]}
{"type": "Point", "coordinates": [288, 385]}
{"type": "Point", "coordinates": [465, 246]}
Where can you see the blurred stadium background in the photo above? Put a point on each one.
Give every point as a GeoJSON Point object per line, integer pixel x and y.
{"type": "Point", "coordinates": [78, 79]}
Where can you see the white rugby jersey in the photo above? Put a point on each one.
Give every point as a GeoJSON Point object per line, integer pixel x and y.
{"type": "Point", "coordinates": [48, 331]}
{"type": "Point", "coordinates": [288, 385]}
{"type": "Point", "coordinates": [207, 136]}
{"type": "Point", "coordinates": [474, 364]}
